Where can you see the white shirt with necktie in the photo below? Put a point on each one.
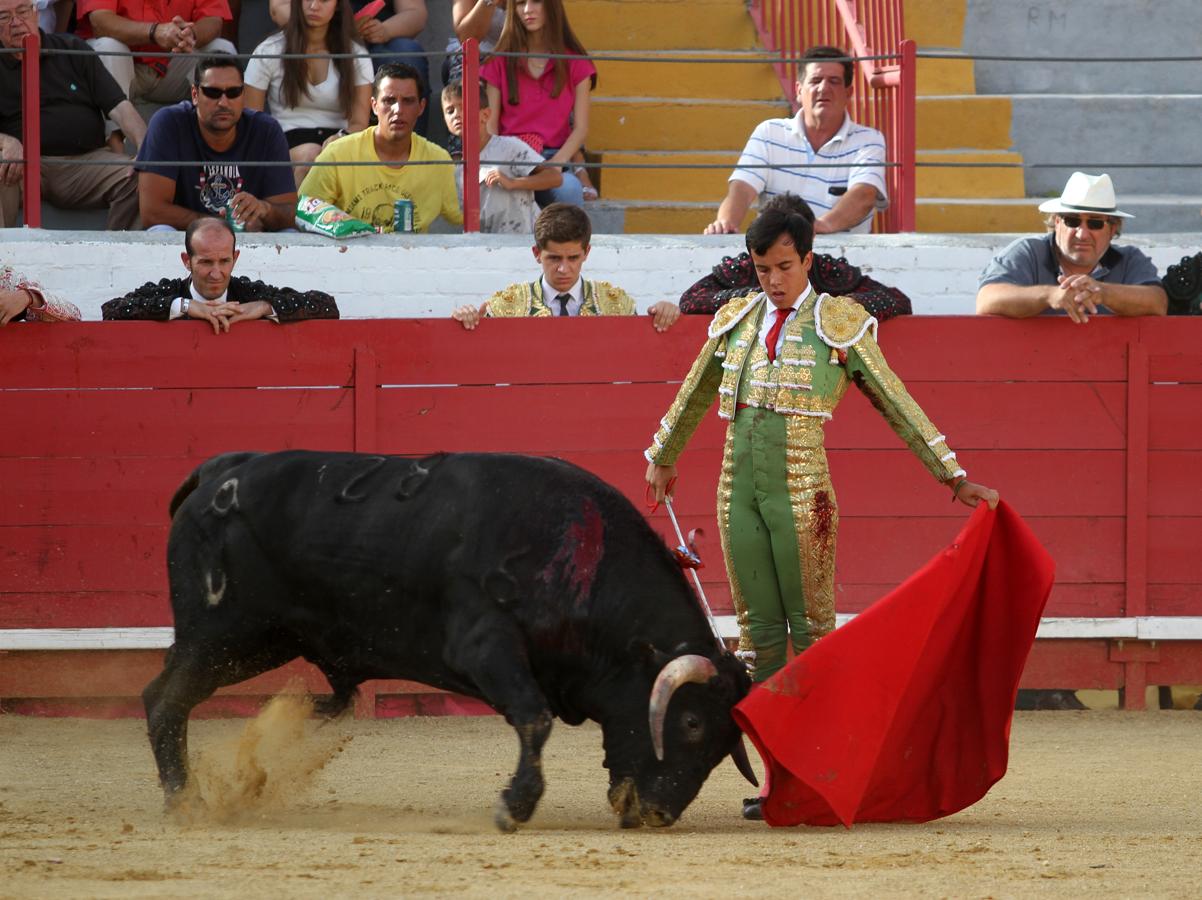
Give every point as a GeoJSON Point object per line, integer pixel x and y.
{"type": "Point", "coordinates": [576, 292]}
{"type": "Point", "coordinates": [770, 320]}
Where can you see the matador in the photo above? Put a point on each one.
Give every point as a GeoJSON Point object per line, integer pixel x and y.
{"type": "Point", "coordinates": [778, 362]}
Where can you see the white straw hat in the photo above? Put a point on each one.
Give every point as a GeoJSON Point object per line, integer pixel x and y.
{"type": "Point", "coordinates": [1086, 194]}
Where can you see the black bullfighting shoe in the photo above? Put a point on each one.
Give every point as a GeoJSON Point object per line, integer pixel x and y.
{"type": "Point", "coordinates": [752, 809]}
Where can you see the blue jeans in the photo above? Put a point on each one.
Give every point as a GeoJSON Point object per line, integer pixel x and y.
{"type": "Point", "coordinates": [406, 50]}
{"type": "Point", "coordinates": [571, 191]}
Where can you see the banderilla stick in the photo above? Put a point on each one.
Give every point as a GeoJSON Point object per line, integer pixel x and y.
{"type": "Point", "coordinates": [709, 614]}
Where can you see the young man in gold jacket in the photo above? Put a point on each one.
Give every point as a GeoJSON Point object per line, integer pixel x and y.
{"type": "Point", "coordinates": [779, 362]}
{"type": "Point", "coordinates": [562, 233]}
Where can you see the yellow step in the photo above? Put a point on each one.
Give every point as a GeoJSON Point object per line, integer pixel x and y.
{"type": "Point", "coordinates": [692, 184]}
{"type": "Point", "coordinates": [934, 23]}
{"type": "Point", "coordinates": [654, 124]}
{"type": "Point", "coordinates": [971, 216]}
{"type": "Point", "coordinates": [751, 80]}
{"type": "Point", "coordinates": [670, 219]}
{"type": "Point", "coordinates": [655, 24]}
{"type": "Point", "coordinates": [951, 75]}
{"type": "Point", "coordinates": [963, 180]}
{"type": "Point", "coordinates": [932, 216]}
{"type": "Point", "coordinates": [950, 123]}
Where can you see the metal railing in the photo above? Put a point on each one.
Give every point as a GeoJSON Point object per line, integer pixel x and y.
{"type": "Point", "coordinates": [883, 90]}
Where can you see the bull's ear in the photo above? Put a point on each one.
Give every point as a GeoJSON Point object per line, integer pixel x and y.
{"type": "Point", "coordinates": [647, 655]}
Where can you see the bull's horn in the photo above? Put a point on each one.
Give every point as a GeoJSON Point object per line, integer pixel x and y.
{"type": "Point", "coordinates": [682, 670]}
{"type": "Point", "coordinates": [742, 763]}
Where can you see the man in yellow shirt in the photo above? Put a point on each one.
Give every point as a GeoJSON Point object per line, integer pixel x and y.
{"type": "Point", "coordinates": [369, 192]}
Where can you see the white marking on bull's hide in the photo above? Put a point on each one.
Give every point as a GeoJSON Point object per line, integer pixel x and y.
{"type": "Point", "coordinates": [226, 497]}
{"type": "Point", "coordinates": [213, 597]}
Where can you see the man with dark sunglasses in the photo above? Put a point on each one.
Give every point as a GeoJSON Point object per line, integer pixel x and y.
{"type": "Point", "coordinates": [1074, 270]}
{"type": "Point", "coordinates": [204, 157]}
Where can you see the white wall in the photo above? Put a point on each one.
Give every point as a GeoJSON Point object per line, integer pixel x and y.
{"type": "Point", "coordinates": [428, 275]}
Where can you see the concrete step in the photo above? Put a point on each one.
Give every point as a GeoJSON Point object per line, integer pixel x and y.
{"type": "Point", "coordinates": [750, 80]}
{"type": "Point", "coordinates": [1154, 214]}
{"type": "Point", "coordinates": [974, 215]}
{"type": "Point", "coordinates": [956, 122]}
{"type": "Point", "coordinates": [1120, 29]}
{"type": "Point", "coordinates": [945, 76]}
{"type": "Point", "coordinates": [656, 24]}
{"type": "Point", "coordinates": [960, 179]}
{"type": "Point", "coordinates": [635, 123]}
{"type": "Point", "coordinates": [691, 184]}
{"type": "Point", "coordinates": [651, 217]}
{"type": "Point", "coordinates": [1156, 129]}
{"type": "Point", "coordinates": [935, 23]}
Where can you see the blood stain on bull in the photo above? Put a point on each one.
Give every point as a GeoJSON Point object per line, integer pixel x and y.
{"type": "Point", "coordinates": [579, 554]}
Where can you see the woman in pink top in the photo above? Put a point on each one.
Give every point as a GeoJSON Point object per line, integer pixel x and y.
{"type": "Point", "coordinates": [543, 101]}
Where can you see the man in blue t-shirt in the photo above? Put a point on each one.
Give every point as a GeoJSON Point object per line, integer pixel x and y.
{"type": "Point", "coordinates": [213, 128]}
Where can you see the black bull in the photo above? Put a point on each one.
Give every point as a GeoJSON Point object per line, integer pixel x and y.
{"type": "Point", "coordinates": [525, 582]}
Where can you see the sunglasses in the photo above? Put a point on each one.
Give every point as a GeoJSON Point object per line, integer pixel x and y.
{"type": "Point", "coordinates": [1091, 224]}
{"type": "Point", "coordinates": [213, 93]}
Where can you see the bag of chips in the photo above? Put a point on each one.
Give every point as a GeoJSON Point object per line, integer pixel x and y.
{"type": "Point", "coordinates": [315, 215]}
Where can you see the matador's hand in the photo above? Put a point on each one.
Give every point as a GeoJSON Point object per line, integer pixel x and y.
{"type": "Point", "coordinates": [970, 494]}
{"type": "Point", "coordinates": [660, 478]}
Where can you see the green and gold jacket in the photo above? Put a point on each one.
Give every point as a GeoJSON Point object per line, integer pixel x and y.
{"type": "Point", "coordinates": [600, 299]}
{"type": "Point", "coordinates": [828, 344]}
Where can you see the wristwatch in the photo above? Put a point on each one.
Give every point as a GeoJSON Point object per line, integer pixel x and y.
{"type": "Point", "coordinates": [492, 3]}
{"type": "Point", "coordinates": [183, 307]}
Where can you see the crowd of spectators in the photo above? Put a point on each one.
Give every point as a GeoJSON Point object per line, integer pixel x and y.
{"type": "Point", "coordinates": [315, 81]}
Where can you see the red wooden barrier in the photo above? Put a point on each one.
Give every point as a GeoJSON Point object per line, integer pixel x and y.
{"type": "Point", "coordinates": [1093, 433]}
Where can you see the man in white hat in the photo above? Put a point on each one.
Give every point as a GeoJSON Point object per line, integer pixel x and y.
{"type": "Point", "coordinates": [1074, 270]}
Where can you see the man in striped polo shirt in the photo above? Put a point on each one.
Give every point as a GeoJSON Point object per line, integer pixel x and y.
{"type": "Point", "coordinates": [820, 154]}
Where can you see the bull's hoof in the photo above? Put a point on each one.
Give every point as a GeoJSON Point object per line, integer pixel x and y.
{"type": "Point", "coordinates": [502, 819]}
{"type": "Point", "coordinates": [657, 818]}
{"type": "Point", "coordinates": [631, 818]}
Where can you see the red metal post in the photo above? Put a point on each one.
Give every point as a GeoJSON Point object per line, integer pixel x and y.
{"type": "Point", "coordinates": [31, 128]}
{"type": "Point", "coordinates": [471, 135]}
{"type": "Point", "coordinates": [906, 138]}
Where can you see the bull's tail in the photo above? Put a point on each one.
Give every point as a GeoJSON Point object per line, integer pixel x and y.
{"type": "Point", "coordinates": [206, 471]}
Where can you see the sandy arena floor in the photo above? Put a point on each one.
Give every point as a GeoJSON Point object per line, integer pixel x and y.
{"type": "Point", "coordinates": [1096, 803]}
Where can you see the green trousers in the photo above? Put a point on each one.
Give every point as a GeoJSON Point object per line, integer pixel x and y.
{"type": "Point", "coordinates": [778, 521]}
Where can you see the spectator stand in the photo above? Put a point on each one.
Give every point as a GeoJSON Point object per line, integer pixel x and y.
{"type": "Point", "coordinates": [1092, 434]}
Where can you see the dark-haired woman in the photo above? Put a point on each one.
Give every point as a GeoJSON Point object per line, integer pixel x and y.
{"type": "Point", "coordinates": [319, 99]}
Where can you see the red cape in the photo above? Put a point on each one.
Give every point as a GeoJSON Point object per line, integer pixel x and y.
{"type": "Point", "coordinates": [903, 714]}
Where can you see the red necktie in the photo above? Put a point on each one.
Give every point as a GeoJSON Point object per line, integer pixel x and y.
{"type": "Point", "coordinates": [774, 332]}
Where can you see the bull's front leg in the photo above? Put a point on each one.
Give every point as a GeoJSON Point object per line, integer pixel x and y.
{"type": "Point", "coordinates": [517, 802]}
{"type": "Point", "coordinates": [491, 651]}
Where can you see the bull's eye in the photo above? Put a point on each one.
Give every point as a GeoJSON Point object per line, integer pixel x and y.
{"type": "Point", "coordinates": [694, 727]}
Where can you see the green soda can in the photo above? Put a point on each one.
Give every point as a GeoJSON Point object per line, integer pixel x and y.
{"type": "Point", "coordinates": [235, 225]}
{"type": "Point", "coordinates": [402, 215]}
